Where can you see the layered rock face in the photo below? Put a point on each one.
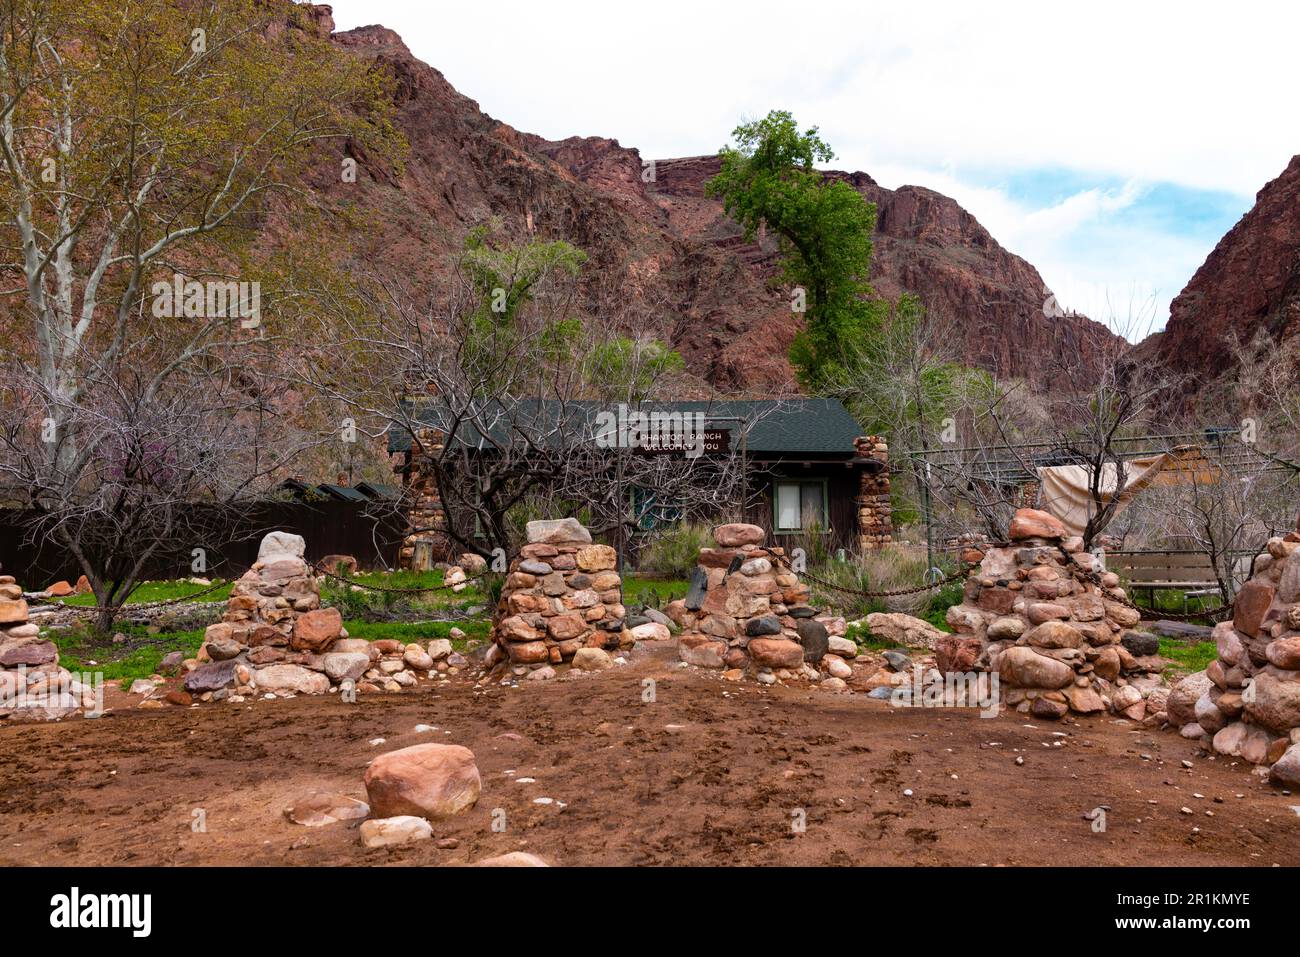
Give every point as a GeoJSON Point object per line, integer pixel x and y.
{"type": "Point", "coordinates": [275, 639]}
{"type": "Point", "coordinates": [32, 685]}
{"type": "Point", "coordinates": [1052, 622]}
{"type": "Point", "coordinates": [1249, 283]}
{"type": "Point", "coordinates": [746, 611]}
{"type": "Point", "coordinates": [1247, 702]}
{"type": "Point", "coordinates": [561, 594]}
{"type": "Point", "coordinates": [677, 261]}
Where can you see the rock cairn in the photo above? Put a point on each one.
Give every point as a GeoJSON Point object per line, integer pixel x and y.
{"type": "Point", "coordinates": [747, 612]}
{"type": "Point", "coordinates": [561, 594]}
{"type": "Point", "coordinates": [1053, 623]}
{"type": "Point", "coordinates": [1247, 702]}
{"type": "Point", "coordinates": [275, 639]}
{"type": "Point", "coordinates": [32, 685]}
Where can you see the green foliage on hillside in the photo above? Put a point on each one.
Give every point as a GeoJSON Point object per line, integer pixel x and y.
{"type": "Point", "coordinates": [824, 228]}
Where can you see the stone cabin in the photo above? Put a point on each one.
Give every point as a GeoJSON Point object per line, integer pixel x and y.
{"type": "Point", "coordinates": [810, 471]}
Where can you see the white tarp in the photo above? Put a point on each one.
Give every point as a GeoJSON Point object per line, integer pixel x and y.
{"type": "Point", "coordinates": [1066, 490]}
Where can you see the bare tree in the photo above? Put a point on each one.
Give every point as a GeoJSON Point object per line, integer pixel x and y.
{"type": "Point", "coordinates": [506, 393]}
{"type": "Point", "coordinates": [160, 471]}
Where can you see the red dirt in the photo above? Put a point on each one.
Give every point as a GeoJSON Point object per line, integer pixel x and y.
{"type": "Point", "coordinates": [719, 789]}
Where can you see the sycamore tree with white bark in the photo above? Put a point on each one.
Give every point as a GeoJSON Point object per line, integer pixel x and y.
{"type": "Point", "coordinates": [143, 146]}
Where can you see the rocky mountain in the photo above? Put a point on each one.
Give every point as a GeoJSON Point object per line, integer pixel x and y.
{"type": "Point", "coordinates": [677, 262]}
{"type": "Point", "coordinates": [1249, 283]}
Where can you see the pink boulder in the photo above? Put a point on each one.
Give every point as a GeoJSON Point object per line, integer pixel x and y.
{"type": "Point", "coordinates": [433, 781]}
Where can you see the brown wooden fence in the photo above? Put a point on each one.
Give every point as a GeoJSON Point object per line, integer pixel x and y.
{"type": "Point", "coordinates": [369, 533]}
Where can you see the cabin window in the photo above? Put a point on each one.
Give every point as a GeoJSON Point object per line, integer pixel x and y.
{"type": "Point", "coordinates": [649, 513]}
{"type": "Point", "coordinates": [800, 506]}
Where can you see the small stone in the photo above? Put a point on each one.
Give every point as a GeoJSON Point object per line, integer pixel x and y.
{"type": "Point", "coordinates": [318, 808]}
{"type": "Point", "coordinates": [401, 829]}
{"type": "Point", "coordinates": [592, 659]}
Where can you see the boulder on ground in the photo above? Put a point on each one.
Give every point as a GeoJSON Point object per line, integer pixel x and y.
{"type": "Point", "coordinates": [1181, 705]}
{"type": "Point", "coordinates": [702, 651]}
{"type": "Point", "coordinates": [318, 808]}
{"type": "Point", "coordinates": [1275, 700]}
{"type": "Point", "coordinates": [344, 665]}
{"type": "Point", "coordinates": [434, 781]}
{"type": "Point", "coordinates": [592, 659]}
{"type": "Point", "coordinates": [400, 829]}
{"type": "Point", "coordinates": [1023, 667]}
{"type": "Point", "coordinates": [291, 679]}
{"type": "Point", "coordinates": [513, 859]}
{"type": "Point", "coordinates": [776, 652]}
{"type": "Point", "coordinates": [211, 677]}
{"type": "Point", "coordinates": [903, 629]}
{"type": "Point", "coordinates": [1287, 769]}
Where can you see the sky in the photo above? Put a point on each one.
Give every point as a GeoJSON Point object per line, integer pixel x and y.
{"type": "Point", "coordinates": [1110, 144]}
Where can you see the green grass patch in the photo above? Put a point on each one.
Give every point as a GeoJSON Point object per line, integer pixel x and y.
{"type": "Point", "coordinates": [863, 637]}
{"type": "Point", "coordinates": [147, 592]}
{"type": "Point", "coordinates": [654, 592]}
{"type": "Point", "coordinates": [137, 657]}
{"type": "Point", "coordinates": [1186, 656]}
{"type": "Point", "coordinates": [141, 653]}
{"type": "Point", "coordinates": [1173, 600]}
{"type": "Point", "coordinates": [379, 605]}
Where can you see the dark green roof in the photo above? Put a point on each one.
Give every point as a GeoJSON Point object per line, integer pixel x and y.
{"type": "Point", "coordinates": [776, 426]}
{"type": "Point", "coordinates": [343, 492]}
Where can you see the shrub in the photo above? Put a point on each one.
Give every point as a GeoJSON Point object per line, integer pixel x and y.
{"type": "Point", "coordinates": [675, 550]}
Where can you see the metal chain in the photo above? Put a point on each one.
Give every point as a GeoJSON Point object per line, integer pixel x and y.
{"type": "Point", "coordinates": [162, 602]}
{"type": "Point", "coordinates": [395, 591]}
{"type": "Point", "coordinates": [1095, 578]}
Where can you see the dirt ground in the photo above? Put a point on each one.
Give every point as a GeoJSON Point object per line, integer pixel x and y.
{"type": "Point", "coordinates": [710, 772]}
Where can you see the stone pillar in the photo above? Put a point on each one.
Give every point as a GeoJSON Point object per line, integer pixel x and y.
{"type": "Point", "coordinates": [875, 518]}
{"type": "Point", "coordinates": [1055, 626]}
{"type": "Point", "coordinates": [561, 594]}
{"type": "Point", "coordinates": [276, 638]}
{"type": "Point", "coordinates": [421, 549]}
{"type": "Point", "coordinates": [1246, 704]}
{"type": "Point", "coordinates": [748, 612]}
{"type": "Point", "coordinates": [32, 685]}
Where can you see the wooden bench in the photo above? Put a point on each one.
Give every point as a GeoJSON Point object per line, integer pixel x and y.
{"type": "Point", "coordinates": [1186, 571]}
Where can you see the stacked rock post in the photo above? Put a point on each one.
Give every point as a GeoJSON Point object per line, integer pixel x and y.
{"type": "Point", "coordinates": [32, 685]}
{"type": "Point", "coordinates": [274, 638]}
{"type": "Point", "coordinates": [747, 611]}
{"type": "Point", "coordinates": [561, 594]}
{"type": "Point", "coordinates": [1247, 702]}
{"type": "Point", "coordinates": [1055, 625]}
{"type": "Point", "coordinates": [426, 517]}
{"type": "Point", "coordinates": [875, 516]}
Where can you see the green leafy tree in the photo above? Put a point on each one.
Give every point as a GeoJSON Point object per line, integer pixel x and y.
{"type": "Point", "coordinates": [824, 227]}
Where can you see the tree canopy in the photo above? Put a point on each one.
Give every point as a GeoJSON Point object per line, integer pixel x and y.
{"type": "Point", "coordinates": [824, 227]}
